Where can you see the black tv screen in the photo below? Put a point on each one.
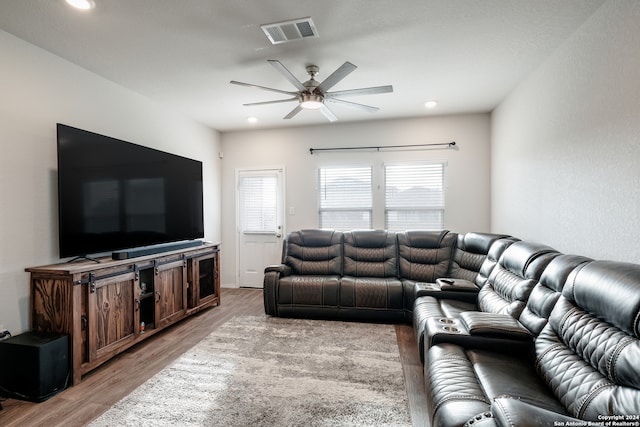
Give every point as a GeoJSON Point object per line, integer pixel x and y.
{"type": "Point", "coordinates": [115, 195]}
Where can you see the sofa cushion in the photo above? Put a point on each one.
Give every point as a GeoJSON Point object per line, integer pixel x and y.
{"type": "Point", "coordinates": [425, 255]}
{"type": "Point", "coordinates": [314, 252]}
{"type": "Point", "coordinates": [609, 290]}
{"type": "Point", "coordinates": [371, 292]}
{"type": "Point", "coordinates": [493, 256]}
{"type": "Point", "coordinates": [462, 383]}
{"type": "Point", "coordinates": [589, 350]}
{"type": "Point", "coordinates": [546, 292]}
{"type": "Point", "coordinates": [433, 307]}
{"type": "Point", "coordinates": [513, 278]}
{"type": "Point", "coordinates": [308, 290]}
{"type": "Point", "coordinates": [370, 253]}
{"type": "Point", "coordinates": [470, 252]}
{"type": "Point", "coordinates": [454, 394]}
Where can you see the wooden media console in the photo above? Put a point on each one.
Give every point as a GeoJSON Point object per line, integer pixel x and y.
{"type": "Point", "coordinates": [106, 307]}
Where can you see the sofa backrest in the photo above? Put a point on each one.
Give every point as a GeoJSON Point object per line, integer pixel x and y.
{"type": "Point", "coordinates": [425, 255]}
{"type": "Point", "coordinates": [513, 278]}
{"type": "Point", "coordinates": [370, 253]}
{"type": "Point", "coordinates": [470, 252]}
{"type": "Point", "coordinates": [314, 252]}
{"type": "Point", "coordinates": [588, 352]}
{"type": "Point", "coordinates": [546, 292]}
{"type": "Point", "coordinates": [495, 252]}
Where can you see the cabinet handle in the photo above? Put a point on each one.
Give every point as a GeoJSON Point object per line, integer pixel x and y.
{"type": "Point", "coordinates": [83, 323]}
{"type": "Point", "coordinates": [137, 304]}
{"type": "Point", "coordinates": [157, 296]}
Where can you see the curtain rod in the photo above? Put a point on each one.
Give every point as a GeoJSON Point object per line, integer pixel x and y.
{"type": "Point", "coordinates": [448, 144]}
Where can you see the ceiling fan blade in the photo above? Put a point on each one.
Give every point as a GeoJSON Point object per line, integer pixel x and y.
{"type": "Point", "coordinates": [368, 108]}
{"type": "Point", "coordinates": [293, 112]}
{"type": "Point", "coordinates": [251, 104]}
{"type": "Point", "coordinates": [343, 71]}
{"type": "Point", "coordinates": [287, 74]}
{"type": "Point", "coordinates": [328, 113]}
{"type": "Point", "coordinates": [363, 91]}
{"type": "Point", "coordinates": [233, 82]}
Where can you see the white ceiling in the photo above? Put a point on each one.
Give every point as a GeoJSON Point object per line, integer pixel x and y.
{"type": "Point", "coordinates": [467, 54]}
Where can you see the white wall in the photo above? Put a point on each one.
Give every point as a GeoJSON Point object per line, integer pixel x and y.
{"type": "Point", "coordinates": [37, 90]}
{"type": "Point", "coordinates": [566, 143]}
{"type": "Point", "coordinates": [466, 174]}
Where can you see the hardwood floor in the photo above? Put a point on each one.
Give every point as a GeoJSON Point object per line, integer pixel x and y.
{"type": "Point", "coordinates": [103, 387]}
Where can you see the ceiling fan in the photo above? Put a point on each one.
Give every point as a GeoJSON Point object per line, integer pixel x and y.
{"type": "Point", "coordinates": [312, 95]}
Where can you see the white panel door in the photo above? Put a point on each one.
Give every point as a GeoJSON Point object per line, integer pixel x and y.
{"type": "Point", "coordinates": [259, 223]}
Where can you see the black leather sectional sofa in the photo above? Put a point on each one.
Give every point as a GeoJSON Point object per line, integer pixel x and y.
{"type": "Point", "coordinates": [511, 333]}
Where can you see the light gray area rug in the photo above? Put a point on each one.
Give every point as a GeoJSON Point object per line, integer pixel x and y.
{"type": "Point", "coordinates": [268, 371]}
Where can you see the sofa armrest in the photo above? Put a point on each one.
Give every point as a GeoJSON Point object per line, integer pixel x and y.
{"type": "Point", "coordinates": [284, 270]}
{"type": "Point", "coordinates": [456, 289]}
{"type": "Point", "coordinates": [440, 330]}
{"type": "Point", "coordinates": [508, 412]}
{"type": "Point", "coordinates": [480, 323]}
{"type": "Point", "coordinates": [272, 274]}
{"type": "Point", "coordinates": [459, 285]}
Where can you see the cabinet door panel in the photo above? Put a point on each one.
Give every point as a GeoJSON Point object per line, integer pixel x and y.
{"type": "Point", "coordinates": [111, 314]}
{"type": "Point", "coordinates": [170, 292]}
{"type": "Point", "coordinates": [204, 280]}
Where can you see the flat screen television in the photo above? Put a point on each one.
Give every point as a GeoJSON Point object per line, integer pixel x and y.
{"type": "Point", "coordinates": [115, 195]}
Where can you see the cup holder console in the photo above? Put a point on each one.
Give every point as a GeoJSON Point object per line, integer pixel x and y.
{"type": "Point", "coordinates": [448, 324]}
{"type": "Point", "coordinates": [425, 289]}
{"type": "Point", "coordinates": [444, 329]}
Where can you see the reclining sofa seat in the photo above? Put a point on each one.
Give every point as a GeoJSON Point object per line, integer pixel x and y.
{"type": "Point", "coordinates": [450, 304]}
{"type": "Point", "coordinates": [589, 350]}
{"type": "Point", "coordinates": [424, 256]}
{"type": "Point", "coordinates": [493, 332]}
{"type": "Point", "coordinates": [306, 283]}
{"type": "Point", "coordinates": [469, 255]}
{"type": "Point", "coordinates": [370, 283]}
{"type": "Point", "coordinates": [456, 395]}
{"type": "Point", "coordinates": [584, 365]}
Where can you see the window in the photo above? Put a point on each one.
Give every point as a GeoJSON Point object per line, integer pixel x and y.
{"type": "Point", "coordinates": [345, 197]}
{"type": "Point", "coordinates": [258, 202]}
{"type": "Point", "coordinates": [414, 196]}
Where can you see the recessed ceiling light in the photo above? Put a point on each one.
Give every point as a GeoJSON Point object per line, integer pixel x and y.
{"type": "Point", "coordinates": [252, 120]}
{"type": "Point", "coordinates": [431, 104]}
{"type": "Point", "coordinates": [82, 4]}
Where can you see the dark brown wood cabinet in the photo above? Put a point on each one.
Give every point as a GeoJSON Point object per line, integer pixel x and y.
{"type": "Point", "coordinates": [108, 306]}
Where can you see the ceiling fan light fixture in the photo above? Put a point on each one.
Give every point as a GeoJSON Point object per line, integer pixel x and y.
{"type": "Point", "coordinates": [82, 4]}
{"type": "Point", "coordinates": [311, 102]}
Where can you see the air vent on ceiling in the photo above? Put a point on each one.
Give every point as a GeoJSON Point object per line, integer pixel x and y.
{"type": "Point", "coordinates": [286, 31]}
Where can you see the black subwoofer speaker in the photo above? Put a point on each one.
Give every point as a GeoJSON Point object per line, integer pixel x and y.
{"type": "Point", "coordinates": [34, 366]}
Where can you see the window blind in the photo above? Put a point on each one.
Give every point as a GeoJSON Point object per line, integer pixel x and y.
{"type": "Point", "coordinates": [345, 197]}
{"type": "Point", "coordinates": [414, 196]}
{"type": "Point", "coordinates": [258, 199]}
